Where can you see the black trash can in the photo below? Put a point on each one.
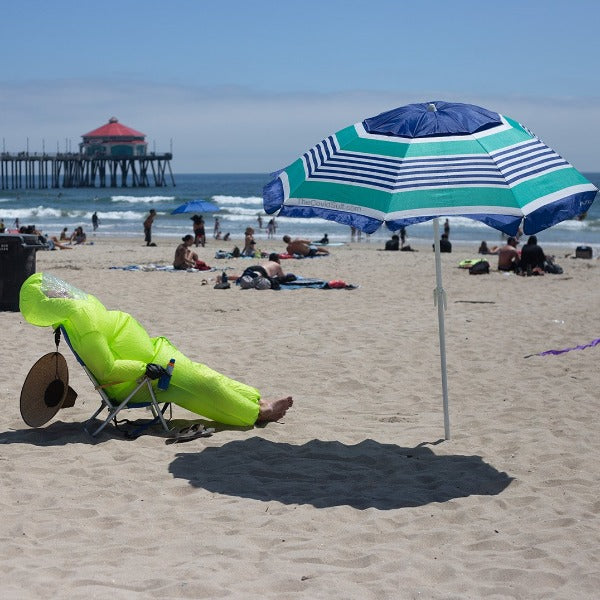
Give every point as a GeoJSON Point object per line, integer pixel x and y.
{"type": "Point", "coordinates": [17, 263]}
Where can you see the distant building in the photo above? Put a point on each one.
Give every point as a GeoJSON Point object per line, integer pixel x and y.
{"type": "Point", "coordinates": [113, 139]}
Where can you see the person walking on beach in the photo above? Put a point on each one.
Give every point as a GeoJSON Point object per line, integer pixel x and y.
{"type": "Point", "coordinates": [148, 228]}
{"type": "Point", "coordinates": [217, 229]}
{"type": "Point", "coordinates": [95, 221]}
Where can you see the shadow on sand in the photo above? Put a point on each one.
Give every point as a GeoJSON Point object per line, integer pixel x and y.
{"type": "Point", "coordinates": [326, 474]}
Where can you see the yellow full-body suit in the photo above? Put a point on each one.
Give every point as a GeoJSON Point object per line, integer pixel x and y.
{"type": "Point", "coordinates": [116, 349]}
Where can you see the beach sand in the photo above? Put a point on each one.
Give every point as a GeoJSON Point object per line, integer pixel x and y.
{"type": "Point", "coordinates": [354, 494]}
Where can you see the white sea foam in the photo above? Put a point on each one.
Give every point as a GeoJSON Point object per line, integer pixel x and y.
{"type": "Point", "coordinates": [237, 200]}
{"type": "Point", "coordinates": [145, 199]}
{"type": "Point", "coordinates": [120, 215]}
{"type": "Point", "coordinates": [32, 213]}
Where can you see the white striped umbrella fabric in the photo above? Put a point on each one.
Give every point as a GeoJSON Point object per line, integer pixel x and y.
{"type": "Point", "coordinates": [424, 161]}
{"type": "Point", "coordinates": [435, 159]}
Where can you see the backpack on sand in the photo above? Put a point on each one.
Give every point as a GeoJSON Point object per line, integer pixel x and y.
{"type": "Point", "coordinates": [480, 268]}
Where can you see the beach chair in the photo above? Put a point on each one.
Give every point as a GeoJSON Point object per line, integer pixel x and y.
{"type": "Point", "coordinates": [115, 407]}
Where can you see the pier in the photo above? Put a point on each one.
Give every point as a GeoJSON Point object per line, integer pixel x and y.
{"type": "Point", "coordinates": [26, 170]}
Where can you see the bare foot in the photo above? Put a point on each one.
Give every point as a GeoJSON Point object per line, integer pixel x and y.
{"type": "Point", "coordinates": [273, 410]}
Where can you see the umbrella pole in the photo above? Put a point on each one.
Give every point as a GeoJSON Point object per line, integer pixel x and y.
{"type": "Point", "coordinates": [439, 299]}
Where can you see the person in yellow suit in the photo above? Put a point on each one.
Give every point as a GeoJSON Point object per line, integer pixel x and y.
{"type": "Point", "coordinates": [117, 350]}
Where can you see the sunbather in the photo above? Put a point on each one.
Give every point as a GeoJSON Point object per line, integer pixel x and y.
{"type": "Point", "coordinates": [302, 247]}
{"type": "Point", "coordinates": [117, 350]}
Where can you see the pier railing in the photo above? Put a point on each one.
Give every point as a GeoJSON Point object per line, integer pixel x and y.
{"type": "Point", "coordinates": [68, 170]}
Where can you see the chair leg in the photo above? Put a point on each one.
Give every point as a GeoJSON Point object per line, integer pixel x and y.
{"type": "Point", "coordinates": [113, 410]}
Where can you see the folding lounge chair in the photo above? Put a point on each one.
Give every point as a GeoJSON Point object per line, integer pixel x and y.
{"type": "Point", "coordinates": [115, 407]}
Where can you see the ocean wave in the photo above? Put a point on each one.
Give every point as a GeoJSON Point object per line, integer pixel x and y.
{"type": "Point", "coordinates": [145, 199]}
{"type": "Point", "coordinates": [33, 212]}
{"type": "Point", "coordinates": [119, 215]}
{"type": "Point", "coordinates": [248, 212]}
{"type": "Point", "coordinates": [237, 200]}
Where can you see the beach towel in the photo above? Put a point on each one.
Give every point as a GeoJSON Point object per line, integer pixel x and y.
{"type": "Point", "coordinates": [169, 268]}
{"type": "Point", "coordinates": [320, 284]}
{"type": "Point", "coordinates": [285, 255]}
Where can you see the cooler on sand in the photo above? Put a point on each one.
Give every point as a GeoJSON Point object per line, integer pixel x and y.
{"type": "Point", "coordinates": [583, 252]}
{"type": "Point", "coordinates": [17, 263]}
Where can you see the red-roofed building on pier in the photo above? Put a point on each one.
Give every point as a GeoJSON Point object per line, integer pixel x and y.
{"type": "Point", "coordinates": [113, 139]}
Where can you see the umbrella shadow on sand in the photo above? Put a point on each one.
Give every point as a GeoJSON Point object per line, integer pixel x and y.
{"type": "Point", "coordinates": [328, 473]}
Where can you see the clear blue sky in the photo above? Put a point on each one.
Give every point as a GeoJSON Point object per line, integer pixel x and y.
{"type": "Point", "coordinates": [249, 85]}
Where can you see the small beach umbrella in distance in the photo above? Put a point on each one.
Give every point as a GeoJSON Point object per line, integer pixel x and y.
{"type": "Point", "coordinates": [435, 159]}
{"type": "Point", "coordinates": [195, 206]}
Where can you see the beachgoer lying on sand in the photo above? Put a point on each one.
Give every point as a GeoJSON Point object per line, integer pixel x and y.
{"type": "Point", "coordinates": [117, 350]}
{"type": "Point", "coordinates": [302, 247]}
{"type": "Point", "coordinates": [270, 269]}
{"type": "Point", "coordinates": [484, 249]}
{"type": "Point", "coordinates": [59, 244]}
{"type": "Point", "coordinates": [185, 258]}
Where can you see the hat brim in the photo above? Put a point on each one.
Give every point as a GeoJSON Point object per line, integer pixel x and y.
{"type": "Point", "coordinates": [45, 389]}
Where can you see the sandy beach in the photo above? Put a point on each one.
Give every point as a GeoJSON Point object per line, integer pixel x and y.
{"type": "Point", "coordinates": [354, 494]}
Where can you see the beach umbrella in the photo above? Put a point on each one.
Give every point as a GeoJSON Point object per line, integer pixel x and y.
{"type": "Point", "coordinates": [435, 159]}
{"type": "Point", "coordinates": [195, 206]}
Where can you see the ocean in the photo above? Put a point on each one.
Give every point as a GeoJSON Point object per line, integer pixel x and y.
{"type": "Point", "coordinates": [121, 212]}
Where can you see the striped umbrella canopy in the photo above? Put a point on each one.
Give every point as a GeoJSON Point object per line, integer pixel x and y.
{"type": "Point", "coordinates": [428, 160]}
{"type": "Point", "coordinates": [424, 161]}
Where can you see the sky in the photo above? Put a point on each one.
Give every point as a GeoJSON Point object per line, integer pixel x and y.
{"type": "Point", "coordinates": [247, 86]}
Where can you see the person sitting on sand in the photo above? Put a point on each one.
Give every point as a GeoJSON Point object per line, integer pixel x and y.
{"type": "Point", "coordinates": [118, 351]}
{"type": "Point", "coordinates": [185, 258]}
{"type": "Point", "coordinates": [484, 249]}
{"type": "Point", "coordinates": [78, 236]}
{"type": "Point", "coordinates": [249, 243]}
{"type": "Point", "coordinates": [393, 244]}
{"type": "Point", "coordinates": [532, 258]}
{"type": "Point", "coordinates": [64, 236]}
{"type": "Point", "coordinates": [508, 256]}
{"type": "Point", "coordinates": [445, 243]}
{"type": "Point", "coordinates": [303, 247]}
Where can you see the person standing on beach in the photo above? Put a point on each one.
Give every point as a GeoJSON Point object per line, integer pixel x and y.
{"type": "Point", "coordinates": [199, 230]}
{"type": "Point", "coordinates": [447, 228]}
{"type": "Point", "coordinates": [271, 229]}
{"type": "Point", "coordinates": [148, 227]}
{"type": "Point", "coordinates": [95, 221]}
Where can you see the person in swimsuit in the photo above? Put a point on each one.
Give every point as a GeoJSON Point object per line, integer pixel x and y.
{"type": "Point", "coordinates": [303, 247]}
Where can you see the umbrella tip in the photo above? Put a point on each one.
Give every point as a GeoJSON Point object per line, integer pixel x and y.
{"type": "Point", "coordinates": [431, 107]}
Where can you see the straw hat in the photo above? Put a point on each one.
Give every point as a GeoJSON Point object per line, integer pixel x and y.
{"type": "Point", "coordinates": [45, 389]}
